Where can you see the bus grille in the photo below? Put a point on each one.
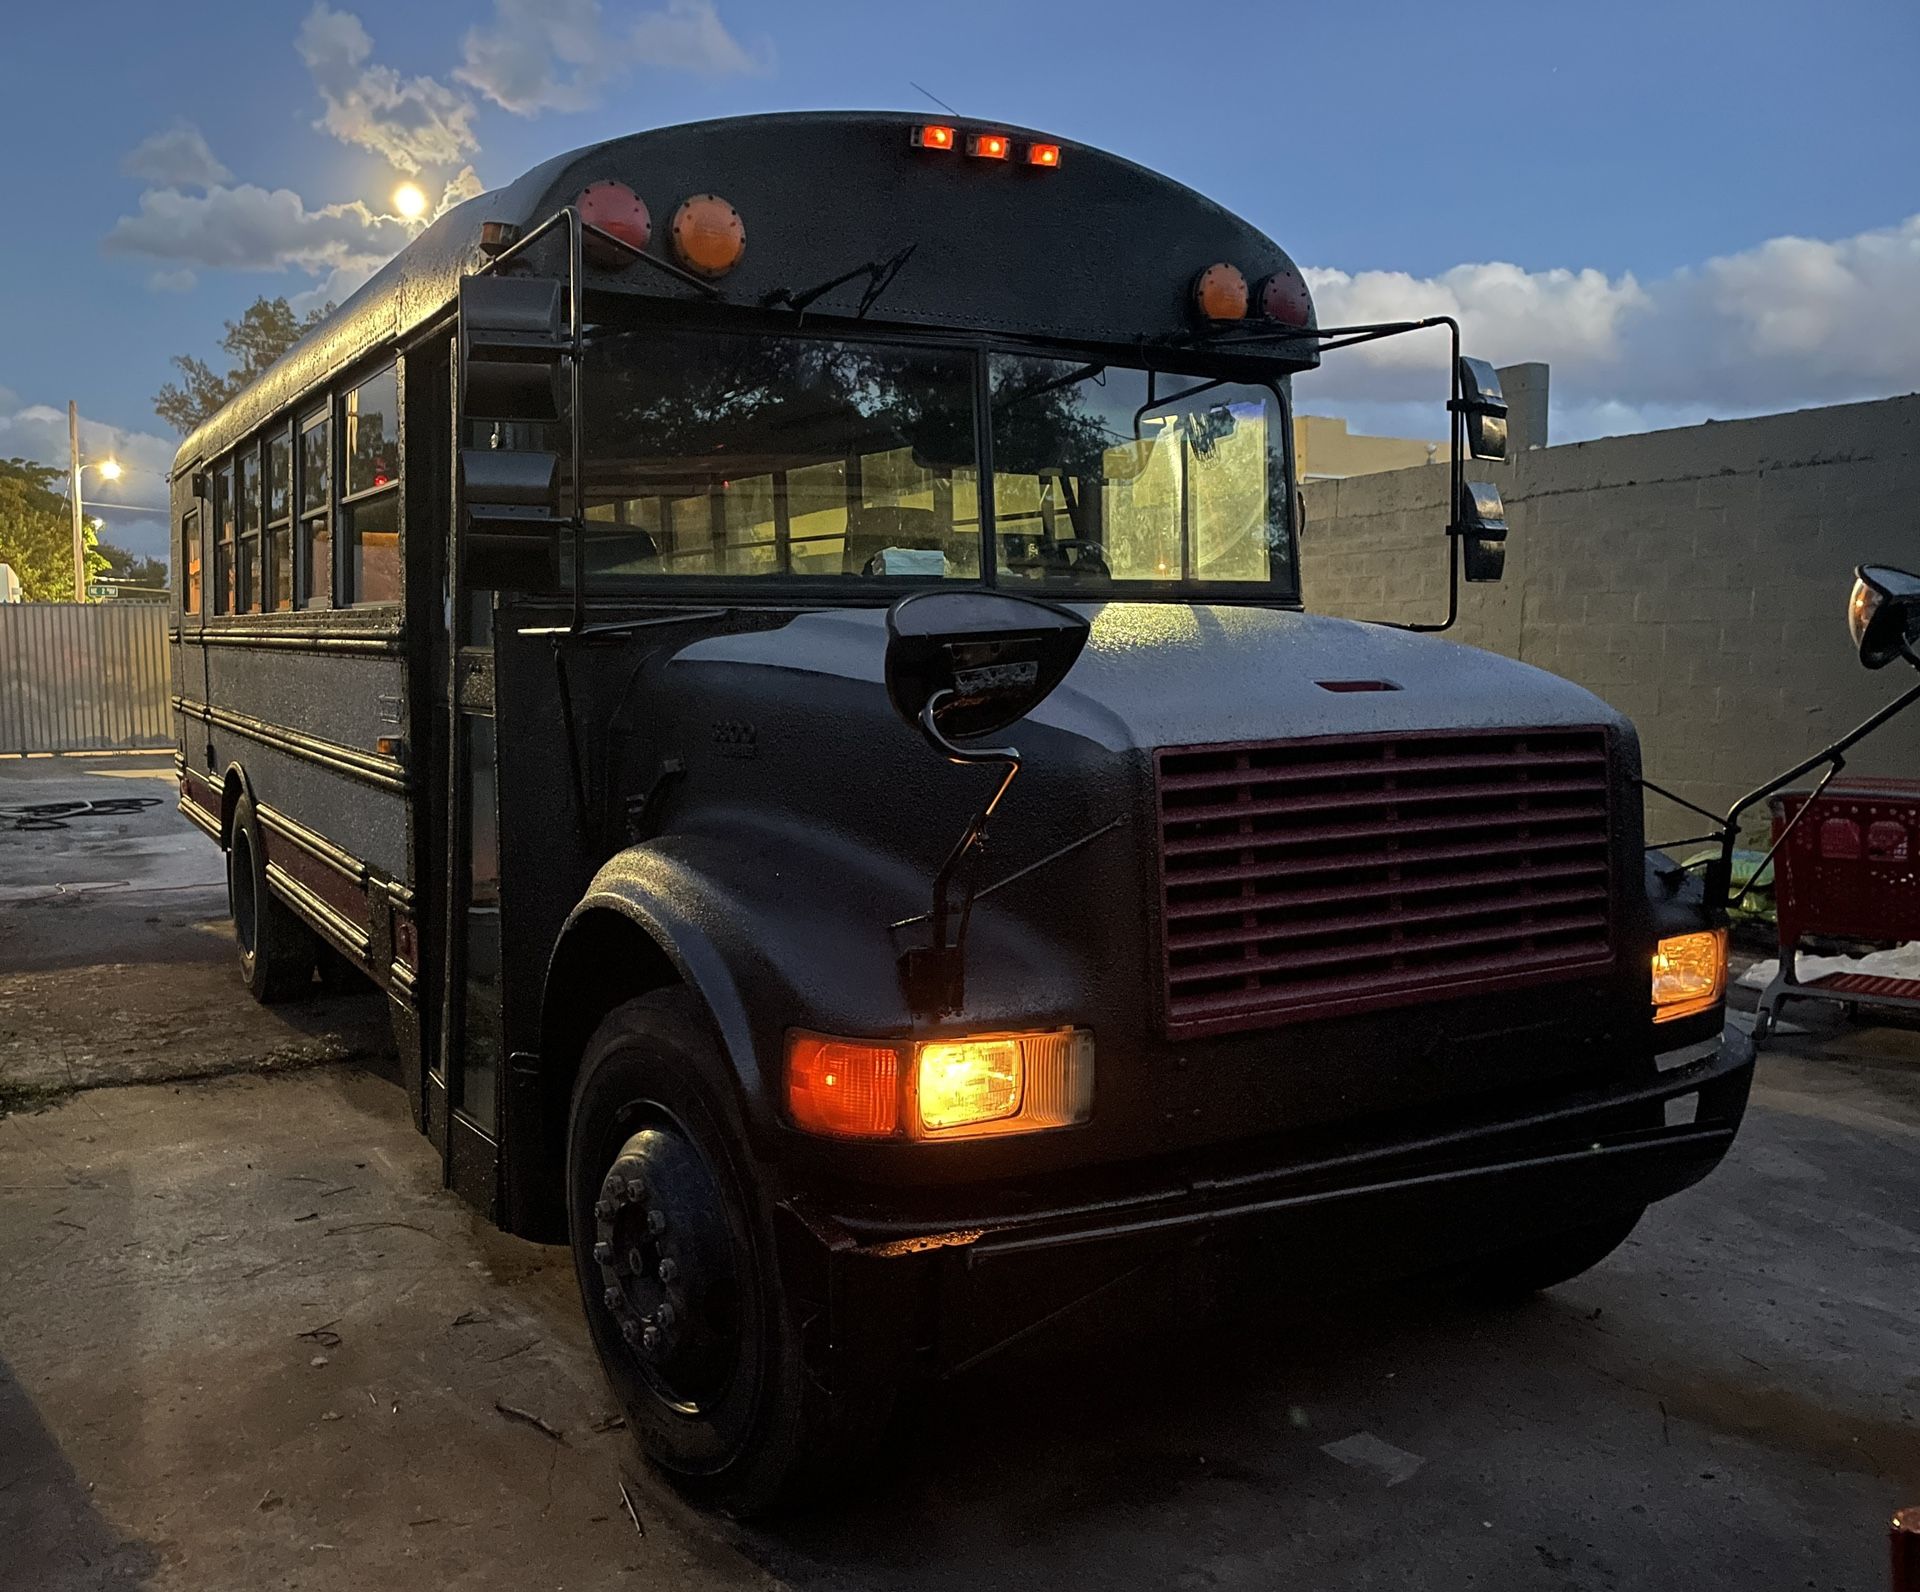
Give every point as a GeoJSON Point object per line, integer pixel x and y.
{"type": "Point", "coordinates": [1304, 879]}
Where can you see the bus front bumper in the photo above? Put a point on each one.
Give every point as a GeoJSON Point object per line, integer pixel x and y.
{"type": "Point", "coordinates": [894, 1296]}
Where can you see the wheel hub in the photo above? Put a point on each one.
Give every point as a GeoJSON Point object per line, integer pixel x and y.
{"type": "Point", "coordinates": [666, 1264]}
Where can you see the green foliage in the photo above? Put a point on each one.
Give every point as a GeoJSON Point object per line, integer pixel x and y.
{"type": "Point", "coordinates": [36, 532]}
{"type": "Point", "coordinates": [133, 569]}
{"type": "Point", "coordinates": [267, 328]}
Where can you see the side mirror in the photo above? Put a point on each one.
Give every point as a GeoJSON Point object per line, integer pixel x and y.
{"type": "Point", "coordinates": [1480, 521]}
{"type": "Point", "coordinates": [963, 664]}
{"type": "Point", "coordinates": [1485, 408]}
{"type": "Point", "coordinates": [1884, 613]}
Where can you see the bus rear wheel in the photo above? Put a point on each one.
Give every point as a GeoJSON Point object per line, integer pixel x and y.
{"type": "Point", "coordinates": [277, 950]}
{"type": "Point", "coordinates": [673, 1248]}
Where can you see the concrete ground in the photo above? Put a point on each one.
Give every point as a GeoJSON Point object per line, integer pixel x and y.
{"type": "Point", "coordinates": [246, 1341]}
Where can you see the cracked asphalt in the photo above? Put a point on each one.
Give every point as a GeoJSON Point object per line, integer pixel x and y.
{"type": "Point", "coordinates": [247, 1341]}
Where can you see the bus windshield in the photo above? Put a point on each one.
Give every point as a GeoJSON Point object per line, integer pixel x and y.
{"type": "Point", "coordinates": [716, 455]}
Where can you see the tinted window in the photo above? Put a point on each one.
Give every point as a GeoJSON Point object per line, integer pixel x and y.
{"type": "Point", "coordinates": [313, 465]}
{"type": "Point", "coordinates": [279, 476]}
{"type": "Point", "coordinates": [373, 433]}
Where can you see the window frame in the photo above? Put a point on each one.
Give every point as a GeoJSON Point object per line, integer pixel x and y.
{"type": "Point", "coordinates": [345, 502]}
{"type": "Point", "coordinates": [250, 599]}
{"type": "Point", "coordinates": [304, 518]}
{"type": "Point", "coordinates": [192, 562]}
{"type": "Point", "coordinates": [271, 529]}
{"type": "Point", "coordinates": [220, 480]}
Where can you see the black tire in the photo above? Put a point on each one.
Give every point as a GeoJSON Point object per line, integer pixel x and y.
{"type": "Point", "coordinates": [1511, 1274]}
{"type": "Point", "coordinates": [658, 1171]}
{"type": "Point", "coordinates": [276, 949]}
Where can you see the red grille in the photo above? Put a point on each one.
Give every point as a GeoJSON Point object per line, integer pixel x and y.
{"type": "Point", "coordinates": [1310, 878]}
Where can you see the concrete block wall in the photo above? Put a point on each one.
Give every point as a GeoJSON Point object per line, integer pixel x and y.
{"type": "Point", "coordinates": [1696, 579]}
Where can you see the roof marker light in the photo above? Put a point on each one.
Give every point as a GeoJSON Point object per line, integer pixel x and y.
{"type": "Point", "coordinates": [618, 211]}
{"type": "Point", "coordinates": [933, 136]}
{"type": "Point", "coordinates": [1283, 298]}
{"type": "Point", "coordinates": [708, 235]}
{"type": "Point", "coordinates": [1220, 293]}
{"type": "Point", "coordinates": [1043, 154]}
{"type": "Point", "coordinates": [988, 146]}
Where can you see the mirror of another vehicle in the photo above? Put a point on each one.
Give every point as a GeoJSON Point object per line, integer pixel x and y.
{"type": "Point", "coordinates": [1884, 613]}
{"type": "Point", "coordinates": [983, 660]}
{"type": "Point", "coordinates": [1485, 408]}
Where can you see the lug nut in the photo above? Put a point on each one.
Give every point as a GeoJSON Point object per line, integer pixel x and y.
{"type": "Point", "coordinates": [666, 1270]}
{"type": "Point", "coordinates": [663, 1317]}
{"type": "Point", "coordinates": [636, 1263]}
{"type": "Point", "coordinates": [630, 1330]}
{"type": "Point", "coordinates": [612, 1298]}
{"type": "Point", "coordinates": [603, 1210]}
{"type": "Point", "coordinates": [650, 1340]}
{"type": "Point", "coordinates": [603, 1252]}
{"type": "Point", "coordinates": [656, 1221]}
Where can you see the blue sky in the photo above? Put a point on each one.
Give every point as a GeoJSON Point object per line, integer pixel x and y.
{"type": "Point", "coordinates": [1690, 209]}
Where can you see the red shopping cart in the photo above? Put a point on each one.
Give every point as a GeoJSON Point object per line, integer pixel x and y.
{"type": "Point", "coordinates": [1851, 868]}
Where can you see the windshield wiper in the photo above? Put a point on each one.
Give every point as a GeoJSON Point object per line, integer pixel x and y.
{"type": "Point", "coordinates": [879, 275]}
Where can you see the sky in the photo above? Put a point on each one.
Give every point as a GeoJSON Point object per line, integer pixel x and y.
{"type": "Point", "coordinates": [1693, 209]}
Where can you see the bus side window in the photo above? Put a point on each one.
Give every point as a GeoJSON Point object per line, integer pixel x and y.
{"type": "Point", "coordinates": [247, 501]}
{"type": "Point", "coordinates": [313, 560]}
{"type": "Point", "coordinates": [190, 562]}
{"type": "Point", "coordinates": [370, 496]}
{"type": "Point", "coordinates": [279, 571]}
{"type": "Point", "coordinates": [223, 539]}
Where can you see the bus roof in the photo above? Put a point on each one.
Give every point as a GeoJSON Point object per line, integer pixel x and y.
{"type": "Point", "coordinates": [1095, 249]}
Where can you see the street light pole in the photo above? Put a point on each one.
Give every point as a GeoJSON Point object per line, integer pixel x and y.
{"type": "Point", "coordinates": [79, 534]}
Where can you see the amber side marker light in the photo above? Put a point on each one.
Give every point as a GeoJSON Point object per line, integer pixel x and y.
{"type": "Point", "coordinates": [1689, 974]}
{"type": "Point", "coordinates": [933, 136]}
{"type": "Point", "coordinates": [988, 146]}
{"type": "Point", "coordinates": [953, 1088]}
{"type": "Point", "coordinates": [1043, 154]}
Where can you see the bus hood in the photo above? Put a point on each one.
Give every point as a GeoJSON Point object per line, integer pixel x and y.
{"type": "Point", "coordinates": [1172, 674]}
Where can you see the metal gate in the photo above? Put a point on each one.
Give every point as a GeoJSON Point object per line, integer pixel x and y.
{"type": "Point", "coordinates": [83, 677]}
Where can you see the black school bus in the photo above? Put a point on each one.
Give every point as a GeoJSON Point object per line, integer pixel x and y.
{"type": "Point", "coordinates": [605, 633]}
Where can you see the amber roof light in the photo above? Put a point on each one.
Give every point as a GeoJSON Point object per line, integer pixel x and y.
{"type": "Point", "coordinates": [708, 235]}
{"type": "Point", "coordinates": [1220, 293]}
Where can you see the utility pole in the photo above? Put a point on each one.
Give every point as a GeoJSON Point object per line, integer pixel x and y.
{"type": "Point", "coordinates": [73, 490]}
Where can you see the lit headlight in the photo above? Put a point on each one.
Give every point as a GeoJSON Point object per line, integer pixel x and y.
{"type": "Point", "coordinates": [956, 1088]}
{"type": "Point", "coordinates": [1689, 974]}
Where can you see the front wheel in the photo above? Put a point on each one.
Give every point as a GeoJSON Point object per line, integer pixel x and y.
{"type": "Point", "coordinates": [673, 1248]}
{"type": "Point", "coordinates": [1543, 1263]}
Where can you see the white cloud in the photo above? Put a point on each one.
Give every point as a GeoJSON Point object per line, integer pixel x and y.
{"type": "Point", "coordinates": [249, 228]}
{"type": "Point", "coordinates": [466, 185]}
{"type": "Point", "coordinates": [1790, 322]}
{"type": "Point", "coordinates": [540, 55]}
{"type": "Point", "coordinates": [39, 432]}
{"type": "Point", "coordinates": [176, 157]}
{"type": "Point", "coordinates": [410, 121]}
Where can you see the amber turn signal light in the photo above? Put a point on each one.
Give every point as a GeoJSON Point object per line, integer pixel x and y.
{"type": "Point", "coordinates": [1043, 154]}
{"type": "Point", "coordinates": [988, 146]}
{"type": "Point", "coordinates": [843, 1088]}
{"type": "Point", "coordinates": [1689, 974]}
{"type": "Point", "coordinates": [933, 136]}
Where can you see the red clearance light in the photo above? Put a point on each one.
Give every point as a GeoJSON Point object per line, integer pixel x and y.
{"type": "Point", "coordinates": [1283, 298]}
{"type": "Point", "coordinates": [1043, 154]}
{"type": "Point", "coordinates": [933, 136]}
{"type": "Point", "coordinates": [1220, 293]}
{"type": "Point", "coordinates": [988, 146]}
{"type": "Point", "coordinates": [616, 209]}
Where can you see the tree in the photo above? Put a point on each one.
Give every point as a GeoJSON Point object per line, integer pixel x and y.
{"type": "Point", "coordinates": [36, 532]}
{"type": "Point", "coordinates": [147, 575]}
{"type": "Point", "coordinates": [267, 328]}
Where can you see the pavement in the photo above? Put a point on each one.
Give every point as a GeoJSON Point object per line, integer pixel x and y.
{"type": "Point", "coordinates": [247, 1341]}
